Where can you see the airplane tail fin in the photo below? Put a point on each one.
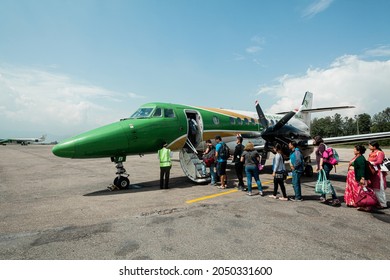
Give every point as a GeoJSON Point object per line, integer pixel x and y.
{"type": "Point", "coordinates": [304, 112]}
{"type": "Point", "coordinates": [306, 109]}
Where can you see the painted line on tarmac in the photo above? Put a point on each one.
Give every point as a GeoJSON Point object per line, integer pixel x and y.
{"type": "Point", "coordinates": [220, 194]}
{"type": "Point", "coordinates": [210, 196]}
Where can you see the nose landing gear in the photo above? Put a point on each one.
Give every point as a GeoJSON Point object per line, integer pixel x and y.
{"type": "Point", "coordinates": [121, 181]}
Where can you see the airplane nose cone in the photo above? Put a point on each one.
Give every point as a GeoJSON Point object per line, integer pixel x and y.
{"type": "Point", "coordinates": [106, 141]}
{"type": "Point", "coordinates": [64, 149]}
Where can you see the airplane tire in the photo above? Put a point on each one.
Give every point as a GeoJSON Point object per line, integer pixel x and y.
{"type": "Point", "coordinates": [309, 171]}
{"type": "Point", "coordinates": [122, 182]}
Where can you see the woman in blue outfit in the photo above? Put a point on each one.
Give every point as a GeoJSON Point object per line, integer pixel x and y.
{"type": "Point", "coordinates": [251, 159]}
{"type": "Point", "coordinates": [279, 171]}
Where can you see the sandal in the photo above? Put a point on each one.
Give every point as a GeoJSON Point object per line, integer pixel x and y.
{"type": "Point", "coordinates": [336, 202]}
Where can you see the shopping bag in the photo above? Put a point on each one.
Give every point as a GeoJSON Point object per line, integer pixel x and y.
{"type": "Point", "coordinates": [323, 185]}
{"type": "Point", "coordinates": [385, 166]}
{"type": "Point", "coordinates": [366, 198]}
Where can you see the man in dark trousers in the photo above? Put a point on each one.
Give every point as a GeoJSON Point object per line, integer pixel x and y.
{"type": "Point", "coordinates": [165, 155]}
{"type": "Point", "coordinates": [239, 165]}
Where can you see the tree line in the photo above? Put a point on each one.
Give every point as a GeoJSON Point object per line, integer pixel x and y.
{"type": "Point", "coordinates": [360, 124]}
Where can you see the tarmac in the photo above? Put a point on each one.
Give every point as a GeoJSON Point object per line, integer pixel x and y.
{"type": "Point", "coordinates": [60, 209]}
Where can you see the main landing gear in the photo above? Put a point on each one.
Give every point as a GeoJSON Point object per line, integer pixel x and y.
{"type": "Point", "coordinates": [309, 171]}
{"type": "Point", "coordinates": [308, 168]}
{"type": "Point", "coordinates": [121, 180]}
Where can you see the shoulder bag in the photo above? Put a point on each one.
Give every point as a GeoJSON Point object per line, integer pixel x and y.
{"type": "Point", "coordinates": [282, 174]}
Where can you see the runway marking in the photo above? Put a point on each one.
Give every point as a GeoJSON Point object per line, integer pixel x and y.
{"type": "Point", "coordinates": [222, 193]}
{"type": "Point", "coordinates": [210, 196]}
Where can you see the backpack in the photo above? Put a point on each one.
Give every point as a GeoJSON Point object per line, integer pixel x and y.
{"type": "Point", "coordinates": [209, 158]}
{"type": "Point", "coordinates": [224, 152]}
{"type": "Point", "coordinates": [330, 155]}
{"type": "Point", "coordinates": [299, 157]}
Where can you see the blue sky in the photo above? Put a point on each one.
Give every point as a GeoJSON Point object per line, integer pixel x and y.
{"type": "Point", "coordinates": [70, 66]}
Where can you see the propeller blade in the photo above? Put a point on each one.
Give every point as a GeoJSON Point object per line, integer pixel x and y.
{"type": "Point", "coordinates": [284, 120]}
{"type": "Point", "coordinates": [261, 115]}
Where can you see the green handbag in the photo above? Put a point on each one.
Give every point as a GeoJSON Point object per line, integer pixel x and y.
{"type": "Point", "coordinates": [323, 185]}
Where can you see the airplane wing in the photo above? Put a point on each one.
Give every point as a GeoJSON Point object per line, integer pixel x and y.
{"type": "Point", "coordinates": [323, 109]}
{"type": "Point", "coordinates": [355, 138]}
{"type": "Point", "coordinates": [3, 141]}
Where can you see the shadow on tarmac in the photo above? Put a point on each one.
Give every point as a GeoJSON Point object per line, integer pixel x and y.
{"type": "Point", "coordinates": [174, 183]}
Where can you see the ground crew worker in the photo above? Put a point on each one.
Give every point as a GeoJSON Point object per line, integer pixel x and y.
{"type": "Point", "coordinates": [165, 155]}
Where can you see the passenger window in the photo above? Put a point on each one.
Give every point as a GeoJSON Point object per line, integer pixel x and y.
{"type": "Point", "coordinates": [169, 113]}
{"type": "Point", "coordinates": [239, 121]}
{"type": "Point", "coordinates": [246, 121]}
{"type": "Point", "coordinates": [157, 112]}
{"type": "Point", "coordinates": [253, 122]}
{"type": "Point", "coordinates": [232, 120]}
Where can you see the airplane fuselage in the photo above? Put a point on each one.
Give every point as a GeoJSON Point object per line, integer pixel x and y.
{"type": "Point", "coordinates": [143, 134]}
{"type": "Point", "coordinates": [22, 141]}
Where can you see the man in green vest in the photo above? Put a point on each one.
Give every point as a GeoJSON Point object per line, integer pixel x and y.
{"type": "Point", "coordinates": [164, 156]}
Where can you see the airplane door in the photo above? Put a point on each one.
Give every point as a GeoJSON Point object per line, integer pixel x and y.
{"type": "Point", "coordinates": [190, 158]}
{"type": "Point", "coordinates": [194, 128]}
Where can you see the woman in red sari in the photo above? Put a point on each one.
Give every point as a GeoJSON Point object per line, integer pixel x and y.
{"type": "Point", "coordinates": [356, 177]}
{"type": "Point", "coordinates": [378, 180]}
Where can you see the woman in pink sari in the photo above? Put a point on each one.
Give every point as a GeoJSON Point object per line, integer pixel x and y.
{"type": "Point", "coordinates": [378, 179]}
{"type": "Point", "coordinates": [356, 177]}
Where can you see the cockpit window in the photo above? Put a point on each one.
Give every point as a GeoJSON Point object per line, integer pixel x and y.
{"type": "Point", "coordinates": [169, 113]}
{"type": "Point", "coordinates": [142, 113]}
{"type": "Point", "coordinates": [157, 112]}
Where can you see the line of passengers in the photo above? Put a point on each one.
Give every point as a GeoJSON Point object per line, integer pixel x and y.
{"type": "Point", "coordinates": [246, 158]}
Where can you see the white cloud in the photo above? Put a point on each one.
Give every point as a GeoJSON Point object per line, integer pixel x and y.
{"type": "Point", "coordinates": [349, 80]}
{"type": "Point", "coordinates": [38, 100]}
{"type": "Point", "coordinates": [381, 51]}
{"type": "Point", "coordinates": [315, 8]}
{"type": "Point", "coordinates": [253, 49]}
{"type": "Point", "coordinates": [257, 43]}
{"type": "Point", "coordinates": [134, 95]}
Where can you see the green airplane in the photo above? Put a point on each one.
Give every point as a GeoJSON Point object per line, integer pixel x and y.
{"type": "Point", "coordinates": [185, 129]}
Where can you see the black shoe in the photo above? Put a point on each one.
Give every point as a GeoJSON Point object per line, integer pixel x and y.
{"type": "Point", "coordinates": [261, 193]}
{"type": "Point", "coordinates": [295, 200]}
{"type": "Point", "coordinates": [336, 203]}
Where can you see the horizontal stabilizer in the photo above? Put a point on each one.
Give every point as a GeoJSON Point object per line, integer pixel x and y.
{"type": "Point", "coordinates": [324, 109]}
